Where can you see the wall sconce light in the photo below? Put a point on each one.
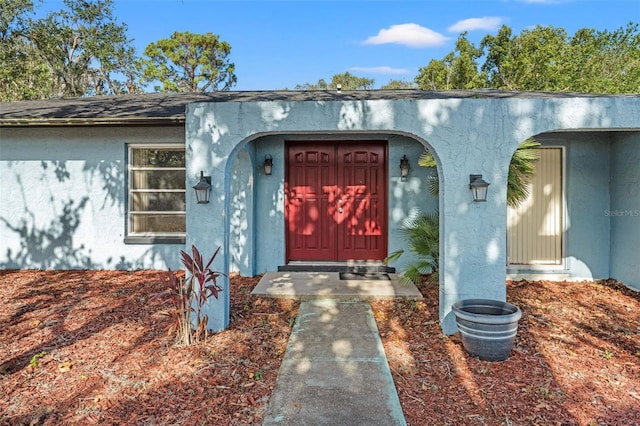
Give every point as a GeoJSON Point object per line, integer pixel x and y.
{"type": "Point", "coordinates": [478, 187]}
{"type": "Point", "coordinates": [268, 164]}
{"type": "Point", "coordinates": [203, 188]}
{"type": "Point", "coordinates": [404, 167]}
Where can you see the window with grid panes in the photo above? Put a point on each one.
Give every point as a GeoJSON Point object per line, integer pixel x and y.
{"type": "Point", "coordinates": [156, 204]}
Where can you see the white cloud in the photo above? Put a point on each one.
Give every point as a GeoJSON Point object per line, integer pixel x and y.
{"type": "Point", "coordinates": [380, 70]}
{"type": "Point", "coordinates": [488, 23]}
{"type": "Point", "coordinates": [412, 35]}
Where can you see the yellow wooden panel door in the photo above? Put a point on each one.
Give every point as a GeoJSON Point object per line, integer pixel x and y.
{"type": "Point", "coordinates": [535, 229]}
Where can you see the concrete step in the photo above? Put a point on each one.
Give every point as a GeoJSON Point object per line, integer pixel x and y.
{"type": "Point", "coordinates": [355, 268]}
{"type": "Point", "coordinates": [328, 285]}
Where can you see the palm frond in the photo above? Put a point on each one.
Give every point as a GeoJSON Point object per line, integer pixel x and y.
{"type": "Point", "coordinates": [427, 159]}
{"type": "Point", "coordinates": [521, 168]}
{"type": "Point", "coordinates": [422, 234]}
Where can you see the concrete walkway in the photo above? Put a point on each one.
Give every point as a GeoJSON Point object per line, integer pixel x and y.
{"type": "Point", "coordinates": [334, 371]}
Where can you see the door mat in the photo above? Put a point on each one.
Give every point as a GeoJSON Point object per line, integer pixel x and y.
{"type": "Point", "coordinates": [371, 276]}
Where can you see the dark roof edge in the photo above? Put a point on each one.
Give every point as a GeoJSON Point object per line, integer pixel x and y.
{"type": "Point", "coordinates": [84, 122]}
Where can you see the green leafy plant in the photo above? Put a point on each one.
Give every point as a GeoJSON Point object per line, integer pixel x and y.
{"type": "Point", "coordinates": [422, 232]}
{"type": "Point", "coordinates": [34, 359]}
{"type": "Point", "coordinates": [521, 168]}
{"type": "Point", "coordinates": [422, 235]}
{"type": "Point", "coordinates": [189, 296]}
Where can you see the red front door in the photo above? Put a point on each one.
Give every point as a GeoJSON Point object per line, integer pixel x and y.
{"type": "Point", "coordinates": [336, 207]}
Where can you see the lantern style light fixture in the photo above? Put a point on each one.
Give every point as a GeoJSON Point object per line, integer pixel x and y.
{"type": "Point", "coordinates": [268, 164]}
{"type": "Point", "coordinates": [404, 167]}
{"type": "Point", "coordinates": [478, 187]}
{"type": "Point", "coordinates": [203, 188]}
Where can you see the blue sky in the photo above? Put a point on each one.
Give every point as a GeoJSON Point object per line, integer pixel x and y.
{"type": "Point", "coordinates": [278, 44]}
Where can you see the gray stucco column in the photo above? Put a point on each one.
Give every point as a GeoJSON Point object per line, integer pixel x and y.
{"type": "Point", "coordinates": [472, 234]}
{"type": "Point", "coordinates": [469, 138]}
{"type": "Point", "coordinates": [207, 224]}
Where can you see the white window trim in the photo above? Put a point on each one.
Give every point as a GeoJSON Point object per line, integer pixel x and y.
{"type": "Point", "coordinates": [150, 237]}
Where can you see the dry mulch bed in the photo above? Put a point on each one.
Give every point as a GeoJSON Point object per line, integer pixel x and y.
{"type": "Point", "coordinates": [575, 361]}
{"type": "Point", "coordinates": [91, 347]}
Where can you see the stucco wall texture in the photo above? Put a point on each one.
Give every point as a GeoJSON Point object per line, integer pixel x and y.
{"type": "Point", "coordinates": [62, 199]}
{"type": "Point", "coordinates": [63, 191]}
{"type": "Point", "coordinates": [467, 137]}
{"type": "Point", "coordinates": [624, 211]}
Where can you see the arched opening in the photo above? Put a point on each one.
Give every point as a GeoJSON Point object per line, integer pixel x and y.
{"type": "Point", "coordinates": [258, 232]}
{"type": "Point", "coordinates": [578, 222]}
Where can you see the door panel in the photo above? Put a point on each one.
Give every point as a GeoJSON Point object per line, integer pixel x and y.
{"type": "Point", "coordinates": [310, 226]}
{"type": "Point", "coordinates": [336, 201]}
{"type": "Point", "coordinates": [536, 227]}
{"type": "Point", "coordinates": [361, 232]}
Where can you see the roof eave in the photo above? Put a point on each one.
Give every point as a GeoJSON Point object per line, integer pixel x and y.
{"type": "Point", "coordinates": [93, 121]}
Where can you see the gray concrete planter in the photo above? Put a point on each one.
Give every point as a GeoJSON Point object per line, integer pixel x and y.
{"type": "Point", "coordinates": [487, 327]}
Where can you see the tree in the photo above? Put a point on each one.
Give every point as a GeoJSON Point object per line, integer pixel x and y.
{"type": "Point", "coordinates": [547, 59]}
{"type": "Point", "coordinates": [398, 85]}
{"type": "Point", "coordinates": [22, 76]}
{"type": "Point", "coordinates": [86, 51]}
{"type": "Point", "coordinates": [458, 69]}
{"type": "Point", "coordinates": [604, 61]}
{"type": "Point", "coordinates": [347, 81]}
{"type": "Point", "coordinates": [532, 61]}
{"type": "Point", "coordinates": [544, 58]}
{"type": "Point", "coordinates": [188, 62]}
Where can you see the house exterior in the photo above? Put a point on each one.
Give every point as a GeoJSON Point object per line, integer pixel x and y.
{"type": "Point", "coordinates": [106, 183]}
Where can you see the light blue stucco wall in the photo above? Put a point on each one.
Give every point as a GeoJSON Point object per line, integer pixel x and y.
{"type": "Point", "coordinates": [586, 194]}
{"type": "Point", "coordinates": [62, 199]}
{"type": "Point", "coordinates": [624, 212]}
{"type": "Point", "coordinates": [467, 136]}
{"type": "Point", "coordinates": [241, 232]}
{"type": "Point", "coordinates": [62, 192]}
{"type": "Point", "coordinates": [270, 248]}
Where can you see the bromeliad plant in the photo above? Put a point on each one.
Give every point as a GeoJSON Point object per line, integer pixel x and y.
{"type": "Point", "coordinates": [189, 295]}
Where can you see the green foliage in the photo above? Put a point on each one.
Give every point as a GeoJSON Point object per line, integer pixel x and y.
{"type": "Point", "coordinates": [33, 363]}
{"type": "Point", "coordinates": [521, 168]}
{"type": "Point", "coordinates": [422, 234]}
{"type": "Point", "coordinates": [75, 51]}
{"type": "Point", "coordinates": [531, 61]}
{"type": "Point", "coordinates": [458, 69]}
{"type": "Point", "coordinates": [544, 58]}
{"type": "Point", "coordinates": [347, 81]}
{"type": "Point", "coordinates": [188, 62]}
{"type": "Point", "coordinates": [398, 85]}
{"type": "Point", "coordinates": [85, 49]}
{"type": "Point", "coordinates": [22, 76]}
{"type": "Point", "coordinates": [189, 296]}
